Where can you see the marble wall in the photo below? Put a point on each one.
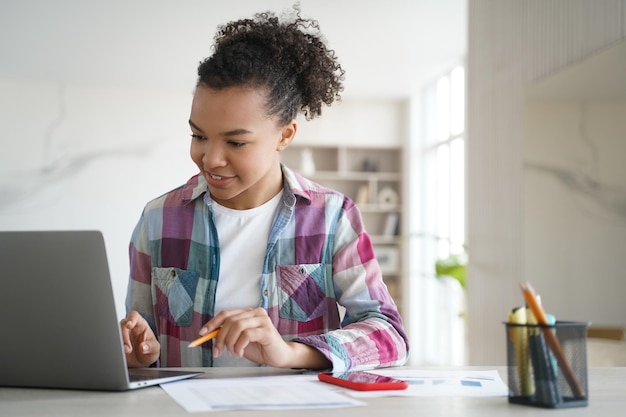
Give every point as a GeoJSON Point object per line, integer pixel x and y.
{"type": "Point", "coordinates": [79, 156]}
{"type": "Point", "coordinates": [575, 208]}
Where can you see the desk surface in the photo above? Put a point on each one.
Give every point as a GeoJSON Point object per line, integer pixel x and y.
{"type": "Point", "coordinates": [607, 397]}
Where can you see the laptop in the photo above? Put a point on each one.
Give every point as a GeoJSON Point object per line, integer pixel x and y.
{"type": "Point", "coordinates": [58, 323]}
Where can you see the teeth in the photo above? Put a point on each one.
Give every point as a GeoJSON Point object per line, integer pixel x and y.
{"type": "Point", "coordinates": [216, 177]}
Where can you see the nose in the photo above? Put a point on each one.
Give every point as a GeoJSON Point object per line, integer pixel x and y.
{"type": "Point", "coordinates": [213, 155]}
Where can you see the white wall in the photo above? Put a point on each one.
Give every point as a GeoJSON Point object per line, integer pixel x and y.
{"type": "Point", "coordinates": [359, 122]}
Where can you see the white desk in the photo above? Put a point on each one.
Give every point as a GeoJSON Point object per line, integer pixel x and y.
{"type": "Point", "coordinates": [607, 397]}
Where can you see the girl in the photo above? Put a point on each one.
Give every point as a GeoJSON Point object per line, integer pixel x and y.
{"type": "Point", "coordinates": [248, 246]}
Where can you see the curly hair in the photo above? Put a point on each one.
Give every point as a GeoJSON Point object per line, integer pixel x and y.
{"type": "Point", "coordinates": [289, 59]}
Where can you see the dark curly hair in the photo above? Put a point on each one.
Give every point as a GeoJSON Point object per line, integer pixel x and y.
{"type": "Point", "coordinates": [289, 59]}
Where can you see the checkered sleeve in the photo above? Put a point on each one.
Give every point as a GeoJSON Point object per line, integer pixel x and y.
{"type": "Point", "coordinates": [139, 295]}
{"type": "Point", "coordinates": [372, 333]}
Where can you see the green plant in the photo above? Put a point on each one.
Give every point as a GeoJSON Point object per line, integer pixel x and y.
{"type": "Point", "coordinates": [454, 266]}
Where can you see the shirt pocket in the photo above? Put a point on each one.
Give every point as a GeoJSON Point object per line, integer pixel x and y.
{"type": "Point", "coordinates": [301, 289]}
{"type": "Point", "coordinates": [174, 291]}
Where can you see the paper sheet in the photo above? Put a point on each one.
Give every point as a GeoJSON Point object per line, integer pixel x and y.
{"type": "Point", "coordinates": [433, 383]}
{"type": "Point", "coordinates": [262, 393]}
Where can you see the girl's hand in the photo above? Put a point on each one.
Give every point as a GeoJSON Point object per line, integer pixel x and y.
{"type": "Point", "coordinates": [250, 333]}
{"type": "Point", "coordinates": [140, 345]}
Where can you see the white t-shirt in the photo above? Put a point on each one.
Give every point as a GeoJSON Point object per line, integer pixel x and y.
{"type": "Point", "coordinates": [243, 236]}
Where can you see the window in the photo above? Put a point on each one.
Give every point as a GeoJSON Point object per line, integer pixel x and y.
{"type": "Point", "coordinates": [438, 231]}
{"type": "Point", "coordinates": [446, 150]}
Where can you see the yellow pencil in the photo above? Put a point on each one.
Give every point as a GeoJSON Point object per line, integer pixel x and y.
{"type": "Point", "coordinates": [204, 338]}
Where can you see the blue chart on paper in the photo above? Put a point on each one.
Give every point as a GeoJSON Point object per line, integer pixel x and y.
{"type": "Point", "coordinates": [437, 381]}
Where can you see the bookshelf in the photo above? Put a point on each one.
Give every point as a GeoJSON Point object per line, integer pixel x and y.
{"type": "Point", "coordinates": [372, 177]}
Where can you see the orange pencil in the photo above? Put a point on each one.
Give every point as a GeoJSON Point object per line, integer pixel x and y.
{"type": "Point", "coordinates": [204, 338]}
{"type": "Point", "coordinates": [551, 339]}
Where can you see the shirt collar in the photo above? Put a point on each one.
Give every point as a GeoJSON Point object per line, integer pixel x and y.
{"type": "Point", "coordinates": [194, 188]}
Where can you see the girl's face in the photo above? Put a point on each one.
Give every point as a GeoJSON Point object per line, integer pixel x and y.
{"type": "Point", "coordinates": [236, 145]}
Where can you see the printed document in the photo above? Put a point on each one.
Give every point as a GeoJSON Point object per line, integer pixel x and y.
{"type": "Point", "coordinates": [257, 393]}
{"type": "Point", "coordinates": [449, 383]}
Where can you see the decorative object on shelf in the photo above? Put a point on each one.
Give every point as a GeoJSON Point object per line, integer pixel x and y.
{"type": "Point", "coordinates": [363, 195]}
{"type": "Point", "coordinates": [391, 225]}
{"type": "Point", "coordinates": [388, 259]}
{"type": "Point", "coordinates": [388, 198]}
{"type": "Point", "coordinates": [307, 163]}
{"type": "Point", "coordinates": [370, 164]}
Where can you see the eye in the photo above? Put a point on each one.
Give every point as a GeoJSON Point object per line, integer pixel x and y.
{"type": "Point", "coordinates": [236, 144]}
{"type": "Point", "coordinates": [197, 137]}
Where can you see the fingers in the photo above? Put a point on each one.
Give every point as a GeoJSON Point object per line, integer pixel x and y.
{"type": "Point", "coordinates": [140, 344]}
{"type": "Point", "coordinates": [244, 339]}
{"type": "Point", "coordinates": [148, 346]}
{"type": "Point", "coordinates": [240, 328]}
{"type": "Point", "coordinates": [127, 324]}
{"type": "Point", "coordinates": [218, 321]}
{"type": "Point", "coordinates": [132, 326]}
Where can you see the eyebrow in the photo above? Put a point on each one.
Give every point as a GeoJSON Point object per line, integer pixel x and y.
{"type": "Point", "coordinates": [233, 132]}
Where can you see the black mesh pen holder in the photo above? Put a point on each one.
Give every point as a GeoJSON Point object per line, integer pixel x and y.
{"type": "Point", "coordinates": [547, 365]}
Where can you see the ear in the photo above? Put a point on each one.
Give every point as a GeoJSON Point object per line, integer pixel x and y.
{"type": "Point", "coordinates": [287, 134]}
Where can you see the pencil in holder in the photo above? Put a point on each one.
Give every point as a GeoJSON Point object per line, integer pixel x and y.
{"type": "Point", "coordinates": [547, 370]}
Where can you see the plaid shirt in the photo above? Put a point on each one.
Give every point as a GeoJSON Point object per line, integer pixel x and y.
{"type": "Point", "coordinates": [318, 255]}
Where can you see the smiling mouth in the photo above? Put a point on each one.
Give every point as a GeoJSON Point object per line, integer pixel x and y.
{"type": "Point", "coordinates": [218, 180]}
